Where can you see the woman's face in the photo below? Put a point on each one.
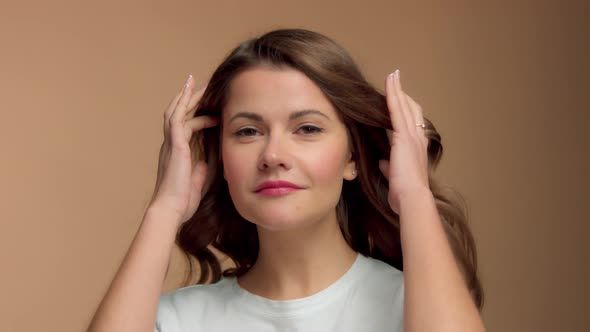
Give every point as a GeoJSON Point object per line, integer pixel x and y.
{"type": "Point", "coordinates": [279, 126]}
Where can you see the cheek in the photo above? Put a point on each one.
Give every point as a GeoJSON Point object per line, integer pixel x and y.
{"type": "Point", "coordinates": [238, 165]}
{"type": "Point", "coordinates": [326, 165]}
{"type": "Point", "coordinates": [231, 166]}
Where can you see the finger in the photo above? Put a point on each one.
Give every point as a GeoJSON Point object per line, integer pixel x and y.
{"type": "Point", "coordinates": [180, 109]}
{"type": "Point", "coordinates": [202, 122]}
{"type": "Point", "coordinates": [170, 109]}
{"type": "Point", "coordinates": [389, 133]}
{"type": "Point", "coordinates": [384, 167]}
{"type": "Point", "coordinates": [174, 102]}
{"type": "Point", "coordinates": [192, 104]}
{"type": "Point", "coordinates": [398, 121]}
{"type": "Point", "coordinates": [419, 116]}
{"type": "Point", "coordinates": [405, 107]}
{"type": "Point", "coordinates": [417, 112]}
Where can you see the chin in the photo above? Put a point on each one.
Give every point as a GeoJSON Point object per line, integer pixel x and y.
{"type": "Point", "coordinates": [277, 222]}
{"type": "Point", "coordinates": [281, 214]}
{"type": "Point", "coordinates": [277, 219]}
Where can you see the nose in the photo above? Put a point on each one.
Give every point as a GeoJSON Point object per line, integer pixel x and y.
{"type": "Point", "coordinates": [275, 154]}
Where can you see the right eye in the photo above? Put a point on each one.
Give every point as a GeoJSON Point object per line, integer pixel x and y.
{"type": "Point", "coordinates": [245, 132]}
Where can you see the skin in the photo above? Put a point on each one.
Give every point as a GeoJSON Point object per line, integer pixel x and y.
{"type": "Point", "coordinates": [310, 151]}
{"type": "Point", "coordinates": [436, 297]}
{"type": "Point", "coordinates": [299, 231]}
{"type": "Point", "coordinates": [299, 255]}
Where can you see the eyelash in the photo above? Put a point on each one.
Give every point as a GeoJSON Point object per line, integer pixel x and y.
{"type": "Point", "coordinates": [316, 130]}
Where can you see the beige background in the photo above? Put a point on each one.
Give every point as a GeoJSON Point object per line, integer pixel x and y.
{"type": "Point", "coordinates": [83, 88]}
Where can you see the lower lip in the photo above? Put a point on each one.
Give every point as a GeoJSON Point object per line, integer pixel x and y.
{"type": "Point", "coordinates": [278, 191]}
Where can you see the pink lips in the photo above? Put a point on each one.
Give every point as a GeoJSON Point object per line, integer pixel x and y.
{"type": "Point", "coordinates": [276, 188]}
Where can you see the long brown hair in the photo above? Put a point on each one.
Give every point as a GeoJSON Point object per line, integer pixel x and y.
{"type": "Point", "coordinates": [368, 223]}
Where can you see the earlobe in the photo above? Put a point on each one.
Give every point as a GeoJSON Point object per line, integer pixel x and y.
{"type": "Point", "coordinates": [350, 173]}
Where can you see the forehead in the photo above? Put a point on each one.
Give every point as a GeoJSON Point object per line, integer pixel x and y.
{"type": "Point", "coordinates": [270, 91]}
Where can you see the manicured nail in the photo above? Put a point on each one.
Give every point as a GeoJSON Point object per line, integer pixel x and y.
{"type": "Point", "coordinates": [390, 78]}
{"type": "Point", "coordinates": [188, 80]}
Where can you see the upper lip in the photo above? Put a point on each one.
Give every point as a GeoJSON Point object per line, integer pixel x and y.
{"type": "Point", "coordinates": [276, 184]}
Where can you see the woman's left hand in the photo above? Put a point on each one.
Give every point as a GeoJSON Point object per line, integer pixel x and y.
{"type": "Point", "coordinates": [407, 168]}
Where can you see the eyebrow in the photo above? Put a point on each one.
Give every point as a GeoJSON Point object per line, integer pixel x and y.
{"type": "Point", "coordinates": [293, 116]}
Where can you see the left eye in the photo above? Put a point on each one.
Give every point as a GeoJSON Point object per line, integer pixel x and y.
{"type": "Point", "coordinates": [307, 129]}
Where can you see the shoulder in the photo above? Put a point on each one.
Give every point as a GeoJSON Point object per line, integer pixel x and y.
{"type": "Point", "coordinates": [181, 297]}
{"type": "Point", "coordinates": [376, 299]}
{"type": "Point", "coordinates": [181, 302]}
{"type": "Point", "coordinates": [379, 269]}
{"type": "Point", "coordinates": [382, 278]}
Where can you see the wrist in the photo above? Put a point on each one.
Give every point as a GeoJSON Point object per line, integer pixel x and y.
{"type": "Point", "coordinates": [414, 195]}
{"type": "Point", "coordinates": [162, 215]}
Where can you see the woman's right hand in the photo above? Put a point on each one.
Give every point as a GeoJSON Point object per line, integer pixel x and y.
{"type": "Point", "coordinates": [179, 184]}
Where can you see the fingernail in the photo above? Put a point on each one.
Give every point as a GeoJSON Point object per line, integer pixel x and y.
{"type": "Point", "coordinates": [187, 80]}
{"type": "Point", "coordinates": [396, 73]}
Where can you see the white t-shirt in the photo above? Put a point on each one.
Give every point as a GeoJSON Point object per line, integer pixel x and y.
{"type": "Point", "coordinates": [368, 297]}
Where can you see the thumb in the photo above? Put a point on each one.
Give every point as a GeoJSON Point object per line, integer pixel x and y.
{"type": "Point", "coordinates": [197, 179]}
{"type": "Point", "coordinates": [384, 167]}
{"type": "Point", "coordinates": [199, 175]}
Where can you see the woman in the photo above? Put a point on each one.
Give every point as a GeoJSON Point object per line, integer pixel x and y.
{"type": "Point", "coordinates": [313, 183]}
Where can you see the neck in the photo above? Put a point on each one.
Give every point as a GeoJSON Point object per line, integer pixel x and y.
{"type": "Point", "coordinates": [300, 262]}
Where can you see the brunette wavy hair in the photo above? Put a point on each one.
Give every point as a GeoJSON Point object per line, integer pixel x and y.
{"type": "Point", "coordinates": [368, 223]}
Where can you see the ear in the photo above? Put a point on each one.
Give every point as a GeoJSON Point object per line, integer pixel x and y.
{"type": "Point", "coordinates": [350, 172]}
